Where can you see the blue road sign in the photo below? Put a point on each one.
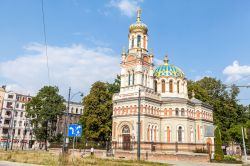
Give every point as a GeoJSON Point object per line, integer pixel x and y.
{"type": "Point", "coordinates": [74, 130]}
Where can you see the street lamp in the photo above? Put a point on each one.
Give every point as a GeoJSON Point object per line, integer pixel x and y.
{"type": "Point", "coordinates": [64, 149]}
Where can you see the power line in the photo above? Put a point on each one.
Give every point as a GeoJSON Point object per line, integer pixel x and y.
{"type": "Point", "coordinates": [45, 43]}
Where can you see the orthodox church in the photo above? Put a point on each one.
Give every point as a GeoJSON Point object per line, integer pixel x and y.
{"type": "Point", "coordinates": [167, 115]}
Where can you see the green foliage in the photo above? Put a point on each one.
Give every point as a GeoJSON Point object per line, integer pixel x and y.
{"type": "Point", "coordinates": [226, 110]}
{"type": "Point", "coordinates": [218, 156]}
{"type": "Point", "coordinates": [43, 110]}
{"type": "Point", "coordinates": [235, 133]}
{"type": "Point", "coordinates": [97, 117]}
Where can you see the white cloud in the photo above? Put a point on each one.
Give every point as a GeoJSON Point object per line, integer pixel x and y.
{"type": "Point", "coordinates": [74, 66]}
{"type": "Point", "coordinates": [236, 72]}
{"type": "Point", "coordinates": [126, 7]}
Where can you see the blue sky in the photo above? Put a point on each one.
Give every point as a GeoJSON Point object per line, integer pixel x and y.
{"type": "Point", "coordinates": [85, 39]}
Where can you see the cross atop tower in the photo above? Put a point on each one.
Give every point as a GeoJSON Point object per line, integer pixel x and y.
{"type": "Point", "coordinates": [138, 15]}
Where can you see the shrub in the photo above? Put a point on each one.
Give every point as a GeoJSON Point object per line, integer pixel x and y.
{"type": "Point", "coordinates": [218, 156]}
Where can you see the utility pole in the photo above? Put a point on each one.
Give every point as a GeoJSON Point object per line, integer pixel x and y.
{"type": "Point", "coordinates": [65, 123]}
{"type": "Point", "coordinates": [139, 128]}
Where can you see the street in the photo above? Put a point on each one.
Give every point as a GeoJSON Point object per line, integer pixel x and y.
{"type": "Point", "coordinates": [8, 163]}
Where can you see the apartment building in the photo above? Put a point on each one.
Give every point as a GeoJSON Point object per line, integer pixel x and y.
{"type": "Point", "coordinates": [14, 123]}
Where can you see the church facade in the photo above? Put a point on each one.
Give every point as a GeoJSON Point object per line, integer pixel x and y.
{"type": "Point", "coordinates": [167, 115]}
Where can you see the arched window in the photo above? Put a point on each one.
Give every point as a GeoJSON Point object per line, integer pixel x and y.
{"type": "Point", "coordinates": [129, 75]}
{"type": "Point", "coordinates": [133, 42]}
{"type": "Point", "coordinates": [125, 130]}
{"type": "Point", "coordinates": [171, 86]}
{"type": "Point", "coordinates": [163, 86]}
{"type": "Point", "coordinates": [182, 112]}
{"type": "Point", "coordinates": [176, 112]}
{"type": "Point", "coordinates": [146, 79]}
{"type": "Point", "coordinates": [155, 85]}
{"type": "Point", "coordinates": [133, 78]}
{"type": "Point", "coordinates": [178, 86]}
{"type": "Point", "coordinates": [179, 134]}
{"type": "Point", "coordinates": [139, 41]}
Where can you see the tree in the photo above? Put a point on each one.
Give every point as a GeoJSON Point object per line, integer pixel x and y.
{"type": "Point", "coordinates": [226, 110]}
{"type": "Point", "coordinates": [44, 110]}
{"type": "Point", "coordinates": [218, 143]}
{"type": "Point", "coordinates": [98, 109]}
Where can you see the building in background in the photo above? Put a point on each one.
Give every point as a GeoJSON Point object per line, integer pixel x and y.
{"type": "Point", "coordinates": [2, 93]}
{"type": "Point", "coordinates": [169, 119]}
{"type": "Point", "coordinates": [74, 114]}
{"type": "Point", "coordinates": [14, 123]}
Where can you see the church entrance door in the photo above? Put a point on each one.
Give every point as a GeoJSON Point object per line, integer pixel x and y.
{"type": "Point", "coordinates": [126, 138]}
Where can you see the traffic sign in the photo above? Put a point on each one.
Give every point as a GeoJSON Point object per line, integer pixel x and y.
{"type": "Point", "coordinates": [74, 130]}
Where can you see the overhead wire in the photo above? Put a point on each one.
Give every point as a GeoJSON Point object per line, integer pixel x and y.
{"type": "Point", "coordinates": [45, 42]}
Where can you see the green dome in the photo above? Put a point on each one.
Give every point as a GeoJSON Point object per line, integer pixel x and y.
{"type": "Point", "coordinates": [168, 70]}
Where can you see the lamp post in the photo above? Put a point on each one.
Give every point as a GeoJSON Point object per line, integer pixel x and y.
{"type": "Point", "coordinates": [139, 127]}
{"type": "Point", "coordinates": [64, 148]}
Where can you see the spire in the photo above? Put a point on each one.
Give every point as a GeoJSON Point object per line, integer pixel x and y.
{"type": "Point", "coordinates": [166, 59]}
{"type": "Point", "coordinates": [138, 15]}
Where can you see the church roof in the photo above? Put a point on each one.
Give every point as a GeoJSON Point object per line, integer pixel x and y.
{"type": "Point", "coordinates": [168, 70]}
{"type": "Point", "coordinates": [138, 24]}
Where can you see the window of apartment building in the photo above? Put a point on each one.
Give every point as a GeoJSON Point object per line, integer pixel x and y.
{"type": "Point", "coordinates": [76, 110]}
{"type": "Point", "coordinates": [8, 113]}
{"type": "Point", "coordinates": [9, 105]}
{"type": "Point", "coordinates": [72, 109]}
{"type": "Point", "coordinates": [13, 131]}
{"type": "Point", "coordinates": [20, 123]}
{"type": "Point", "coordinates": [14, 123]}
{"type": "Point", "coordinates": [18, 98]}
{"type": "Point", "coordinates": [19, 131]}
{"type": "Point", "coordinates": [17, 105]}
{"type": "Point", "coordinates": [24, 132]}
{"type": "Point", "coordinates": [23, 106]}
{"type": "Point", "coordinates": [5, 131]}
{"type": "Point", "coordinates": [10, 96]}
{"type": "Point", "coordinates": [6, 121]}
{"type": "Point", "coordinates": [29, 98]}
{"type": "Point", "coordinates": [16, 113]}
{"type": "Point", "coordinates": [21, 114]}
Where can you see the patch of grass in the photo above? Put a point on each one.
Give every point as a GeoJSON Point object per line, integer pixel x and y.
{"type": "Point", "coordinates": [47, 158]}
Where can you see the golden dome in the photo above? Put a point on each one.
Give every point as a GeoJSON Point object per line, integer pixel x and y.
{"type": "Point", "coordinates": [138, 24]}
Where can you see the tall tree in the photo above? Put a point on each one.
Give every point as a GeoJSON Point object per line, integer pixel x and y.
{"type": "Point", "coordinates": [98, 109]}
{"type": "Point", "coordinates": [227, 111]}
{"type": "Point", "coordinates": [44, 110]}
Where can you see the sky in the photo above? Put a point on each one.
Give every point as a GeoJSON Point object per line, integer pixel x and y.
{"type": "Point", "coordinates": [85, 40]}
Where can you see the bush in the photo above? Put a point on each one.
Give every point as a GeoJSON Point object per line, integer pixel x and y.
{"type": "Point", "coordinates": [219, 155]}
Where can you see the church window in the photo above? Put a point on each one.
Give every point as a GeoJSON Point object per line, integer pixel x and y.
{"type": "Point", "coordinates": [155, 134]}
{"type": "Point", "coordinates": [139, 41]}
{"type": "Point", "coordinates": [155, 84]}
{"type": "Point", "coordinates": [163, 86]}
{"type": "Point", "coordinates": [180, 134]}
{"type": "Point", "coordinates": [146, 79]}
{"type": "Point", "coordinates": [125, 130]}
{"type": "Point", "coordinates": [177, 112]}
{"type": "Point", "coordinates": [133, 79]}
{"type": "Point", "coordinates": [148, 134]}
{"type": "Point", "coordinates": [171, 86]}
{"type": "Point", "coordinates": [142, 79]}
{"type": "Point", "coordinates": [182, 112]}
{"type": "Point", "coordinates": [178, 86]}
{"type": "Point", "coordinates": [129, 79]}
{"type": "Point", "coordinates": [133, 42]}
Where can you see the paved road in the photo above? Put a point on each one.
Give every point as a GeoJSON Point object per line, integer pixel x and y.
{"type": "Point", "coordinates": [8, 163]}
{"type": "Point", "coordinates": [190, 163]}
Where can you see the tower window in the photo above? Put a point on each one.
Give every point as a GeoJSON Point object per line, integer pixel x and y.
{"type": "Point", "coordinates": [129, 79]}
{"type": "Point", "coordinates": [144, 42]}
{"type": "Point", "coordinates": [171, 86]}
{"type": "Point", "coordinates": [178, 86]}
{"type": "Point", "coordinates": [133, 81]}
{"type": "Point", "coordinates": [155, 83]}
{"type": "Point", "coordinates": [163, 89]}
{"type": "Point", "coordinates": [133, 42]}
{"type": "Point", "coordinates": [139, 41]}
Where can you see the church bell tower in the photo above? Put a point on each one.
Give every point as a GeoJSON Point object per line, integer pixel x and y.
{"type": "Point", "coordinates": [137, 62]}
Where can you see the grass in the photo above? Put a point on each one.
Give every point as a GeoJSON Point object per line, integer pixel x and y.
{"type": "Point", "coordinates": [47, 158]}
